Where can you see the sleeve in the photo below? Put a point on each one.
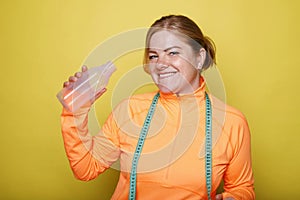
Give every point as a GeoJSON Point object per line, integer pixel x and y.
{"type": "Point", "coordinates": [88, 155]}
{"type": "Point", "coordinates": [238, 177]}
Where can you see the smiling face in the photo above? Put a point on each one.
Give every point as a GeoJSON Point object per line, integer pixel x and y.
{"type": "Point", "coordinates": [173, 63]}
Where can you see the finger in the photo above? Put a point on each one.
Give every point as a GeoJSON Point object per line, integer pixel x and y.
{"type": "Point", "coordinates": [66, 84]}
{"type": "Point", "coordinates": [78, 74]}
{"type": "Point", "coordinates": [99, 94]}
{"type": "Point", "coordinates": [219, 197]}
{"type": "Point", "coordinates": [72, 79]}
{"type": "Point", "coordinates": [84, 68]}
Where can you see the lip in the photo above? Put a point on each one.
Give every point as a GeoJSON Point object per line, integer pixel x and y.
{"type": "Point", "coordinates": [166, 74]}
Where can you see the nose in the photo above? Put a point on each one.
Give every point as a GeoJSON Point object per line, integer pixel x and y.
{"type": "Point", "coordinates": [162, 62]}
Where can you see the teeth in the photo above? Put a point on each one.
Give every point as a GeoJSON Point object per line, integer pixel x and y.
{"type": "Point", "coordinates": [165, 75]}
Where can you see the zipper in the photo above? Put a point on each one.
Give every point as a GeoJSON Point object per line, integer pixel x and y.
{"type": "Point", "coordinates": [178, 121]}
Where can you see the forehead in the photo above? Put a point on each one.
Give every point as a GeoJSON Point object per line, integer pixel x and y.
{"type": "Point", "coordinates": [165, 39]}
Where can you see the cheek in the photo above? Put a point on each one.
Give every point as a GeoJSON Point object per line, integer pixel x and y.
{"type": "Point", "coordinates": [153, 73]}
{"type": "Point", "coordinates": [188, 71]}
{"type": "Point", "coordinates": [152, 68]}
{"type": "Point", "coordinates": [185, 67]}
{"type": "Point", "coordinates": [177, 61]}
{"type": "Point", "coordinates": [183, 61]}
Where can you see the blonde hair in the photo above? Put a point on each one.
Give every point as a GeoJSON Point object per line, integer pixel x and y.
{"type": "Point", "coordinates": [191, 31]}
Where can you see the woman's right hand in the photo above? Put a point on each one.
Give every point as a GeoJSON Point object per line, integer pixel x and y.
{"type": "Point", "coordinates": [72, 81]}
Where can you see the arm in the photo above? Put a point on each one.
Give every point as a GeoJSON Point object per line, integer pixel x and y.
{"type": "Point", "coordinates": [88, 155]}
{"type": "Point", "coordinates": [238, 178]}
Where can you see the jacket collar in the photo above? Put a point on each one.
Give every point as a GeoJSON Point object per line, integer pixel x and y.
{"type": "Point", "coordinates": [199, 93]}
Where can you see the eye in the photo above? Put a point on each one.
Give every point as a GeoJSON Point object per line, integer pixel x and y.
{"type": "Point", "coordinates": [151, 57]}
{"type": "Point", "coordinates": [173, 53]}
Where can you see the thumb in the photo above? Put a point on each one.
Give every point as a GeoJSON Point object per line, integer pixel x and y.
{"type": "Point", "coordinates": [219, 197]}
{"type": "Point", "coordinates": [100, 93]}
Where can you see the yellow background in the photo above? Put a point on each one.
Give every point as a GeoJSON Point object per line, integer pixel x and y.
{"type": "Point", "coordinates": [44, 41]}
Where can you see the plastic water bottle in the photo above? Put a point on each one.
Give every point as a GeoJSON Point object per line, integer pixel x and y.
{"type": "Point", "coordinates": [83, 91]}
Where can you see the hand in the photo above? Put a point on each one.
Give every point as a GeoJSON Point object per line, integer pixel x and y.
{"type": "Point", "coordinates": [220, 197]}
{"type": "Point", "coordinates": [72, 80]}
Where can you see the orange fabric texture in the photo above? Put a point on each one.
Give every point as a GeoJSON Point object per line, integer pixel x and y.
{"type": "Point", "coordinates": [172, 164]}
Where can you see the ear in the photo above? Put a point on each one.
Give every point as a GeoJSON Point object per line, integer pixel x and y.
{"type": "Point", "coordinates": [201, 58]}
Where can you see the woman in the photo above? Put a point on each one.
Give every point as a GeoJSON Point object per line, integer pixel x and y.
{"type": "Point", "coordinates": [177, 143]}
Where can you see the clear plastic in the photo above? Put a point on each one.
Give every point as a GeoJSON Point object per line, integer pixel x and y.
{"type": "Point", "coordinates": [84, 90]}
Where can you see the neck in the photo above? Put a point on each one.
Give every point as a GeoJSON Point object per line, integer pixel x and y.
{"type": "Point", "coordinates": [195, 90]}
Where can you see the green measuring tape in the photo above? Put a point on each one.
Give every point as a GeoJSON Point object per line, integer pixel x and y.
{"type": "Point", "coordinates": [208, 146]}
{"type": "Point", "coordinates": [143, 134]}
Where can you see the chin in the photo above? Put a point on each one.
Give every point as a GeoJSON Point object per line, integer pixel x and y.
{"type": "Point", "coordinates": [166, 90]}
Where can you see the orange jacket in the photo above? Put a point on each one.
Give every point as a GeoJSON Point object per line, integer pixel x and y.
{"type": "Point", "coordinates": [172, 163]}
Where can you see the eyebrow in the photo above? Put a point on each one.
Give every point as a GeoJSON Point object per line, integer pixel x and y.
{"type": "Point", "coordinates": [167, 49]}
